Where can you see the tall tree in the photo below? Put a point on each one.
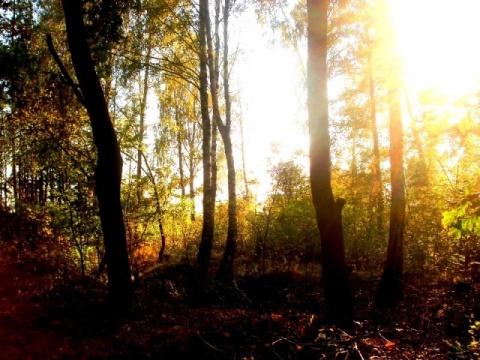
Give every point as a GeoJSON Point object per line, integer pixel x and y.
{"type": "Point", "coordinates": [141, 125]}
{"type": "Point", "coordinates": [372, 102]}
{"type": "Point", "coordinates": [338, 298]}
{"type": "Point", "coordinates": [206, 242]}
{"type": "Point", "coordinates": [108, 173]}
{"type": "Point", "coordinates": [390, 287]}
{"type": "Point", "coordinates": [225, 272]}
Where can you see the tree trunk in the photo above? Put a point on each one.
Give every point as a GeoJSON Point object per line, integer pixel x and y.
{"type": "Point", "coordinates": [206, 242]}
{"type": "Point", "coordinates": [109, 167]}
{"type": "Point", "coordinates": [390, 288]}
{"type": "Point", "coordinates": [244, 161]}
{"type": "Point", "coordinates": [377, 172]}
{"type": "Point", "coordinates": [180, 152]}
{"type": "Point", "coordinates": [422, 176]}
{"type": "Point", "coordinates": [376, 199]}
{"type": "Point", "coordinates": [191, 168]}
{"type": "Point", "coordinates": [225, 271]}
{"type": "Point", "coordinates": [141, 125]}
{"type": "Point", "coordinates": [338, 299]}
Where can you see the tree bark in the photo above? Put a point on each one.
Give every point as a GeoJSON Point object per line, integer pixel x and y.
{"type": "Point", "coordinates": [338, 299]}
{"type": "Point", "coordinates": [180, 131]}
{"type": "Point", "coordinates": [377, 172]}
{"type": "Point", "coordinates": [109, 167]}
{"type": "Point", "coordinates": [390, 288]}
{"type": "Point", "coordinates": [206, 242]}
{"type": "Point", "coordinates": [244, 160]}
{"type": "Point", "coordinates": [191, 136]}
{"type": "Point", "coordinates": [225, 272]}
{"type": "Point", "coordinates": [141, 125]}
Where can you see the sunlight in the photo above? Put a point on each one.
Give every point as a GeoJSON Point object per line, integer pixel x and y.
{"type": "Point", "coordinates": [271, 102]}
{"type": "Point", "coordinates": [439, 48]}
{"type": "Point", "coordinates": [439, 43]}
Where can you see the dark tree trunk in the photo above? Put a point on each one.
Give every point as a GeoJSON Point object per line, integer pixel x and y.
{"type": "Point", "coordinates": [109, 168]}
{"type": "Point", "coordinates": [206, 242]}
{"type": "Point", "coordinates": [390, 288]}
{"type": "Point", "coordinates": [163, 239]}
{"type": "Point", "coordinates": [338, 298]}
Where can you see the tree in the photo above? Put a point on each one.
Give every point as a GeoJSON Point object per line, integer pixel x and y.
{"type": "Point", "coordinates": [339, 303]}
{"type": "Point", "coordinates": [372, 102]}
{"type": "Point", "coordinates": [206, 242]}
{"type": "Point", "coordinates": [390, 287]}
{"type": "Point", "coordinates": [225, 272]}
{"type": "Point", "coordinates": [108, 173]}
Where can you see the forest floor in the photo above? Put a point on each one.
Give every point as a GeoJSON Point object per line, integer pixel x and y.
{"type": "Point", "coordinates": [276, 316]}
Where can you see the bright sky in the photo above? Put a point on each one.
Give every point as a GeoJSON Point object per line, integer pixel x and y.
{"type": "Point", "coordinates": [271, 101]}
{"type": "Point", "coordinates": [441, 48]}
{"type": "Point", "coordinates": [441, 44]}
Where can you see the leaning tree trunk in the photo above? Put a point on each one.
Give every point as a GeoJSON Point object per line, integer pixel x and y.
{"type": "Point", "coordinates": [390, 288]}
{"type": "Point", "coordinates": [109, 167]}
{"type": "Point", "coordinates": [338, 299]}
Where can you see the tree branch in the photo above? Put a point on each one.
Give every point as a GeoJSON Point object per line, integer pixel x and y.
{"type": "Point", "coordinates": [63, 70]}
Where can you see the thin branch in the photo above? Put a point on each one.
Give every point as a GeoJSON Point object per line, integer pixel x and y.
{"type": "Point", "coordinates": [63, 70]}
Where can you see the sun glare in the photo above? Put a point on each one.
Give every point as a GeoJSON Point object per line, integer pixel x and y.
{"type": "Point", "coordinates": [271, 102]}
{"type": "Point", "coordinates": [440, 45]}
{"type": "Point", "coordinates": [440, 49]}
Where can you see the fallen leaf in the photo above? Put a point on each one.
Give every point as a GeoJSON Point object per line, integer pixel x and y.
{"type": "Point", "coordinates": [390, 345]}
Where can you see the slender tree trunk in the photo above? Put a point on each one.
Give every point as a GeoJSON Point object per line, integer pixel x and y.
{"type": "Point", "coordinates": [377, 199]}
{"type": "Point", "coordinates": [338, 299]}
{"type": "Point", "coordinates": [206, 242]}
{"type": "Point", "coordinates": [108, 173]}
{"type": "Point", "coordinates": [356, 204]}
{"type": "Point", "coordinates": [423, 178]}
{"type": "Point", "coordinates": [15, 180]}
{"type": "Point", "coordinates": [158, 206]}
{"type": "Point", "coordinates": [390, 288]}
{"type": "Point", "coordinates": [244, 161]}
{"type": "Point", "coordinates": [141, 125]}
{"type": "Point", "coordinates": [191, 168]}
{"type": "Point", "coordinates": [225, 271]}
{"type": "Point", "coordinates": [180, 152]}
{"type": "Point", "coordinates": [213, 161]}
{"type": "Point", "coordinates": [377, 172]}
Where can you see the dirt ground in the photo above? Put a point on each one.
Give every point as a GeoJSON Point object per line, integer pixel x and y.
{"type": "Point", "coordinates": [44, 314]}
